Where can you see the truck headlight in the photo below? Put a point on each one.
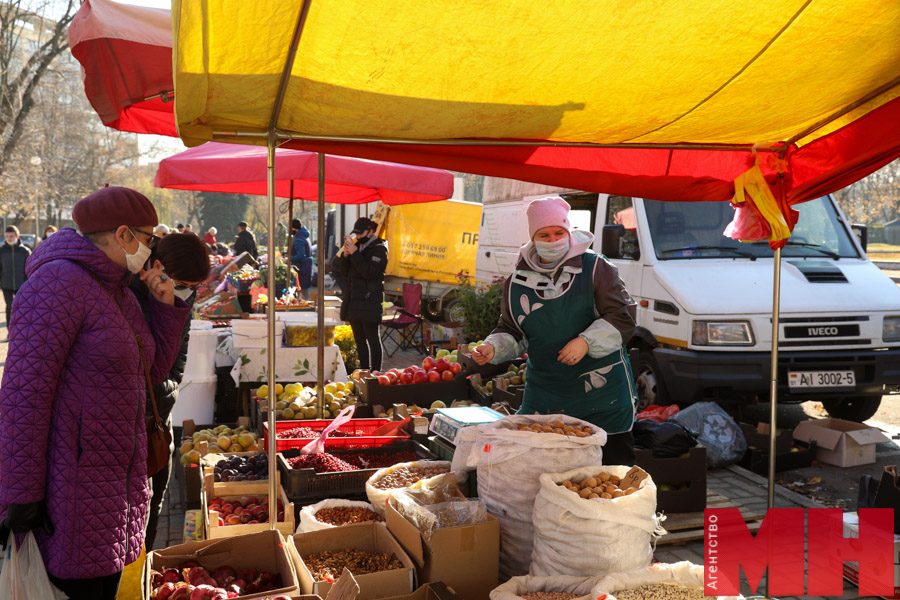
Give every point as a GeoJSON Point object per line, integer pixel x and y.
{"type": "Point", "coordinates": [890, 331]}
{"type": "Point", "coordinates": [722, 333]}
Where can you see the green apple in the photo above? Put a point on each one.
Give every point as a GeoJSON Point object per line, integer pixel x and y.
{"type": "Point", "coordinates": [442, 353]}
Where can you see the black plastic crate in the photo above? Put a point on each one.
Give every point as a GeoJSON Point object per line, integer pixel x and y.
{"type": "Point", "coordinates": [306, 484]}
{"type": "Point", "coordinates": [757, 460]}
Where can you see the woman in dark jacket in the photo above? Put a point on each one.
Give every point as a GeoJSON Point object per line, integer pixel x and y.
{"type": "Point", "coordinates": [186, 260]}
{"type": "Point", "coordinates": [362, 266]}
{"type": "Point", "coordinates": [12, 266]}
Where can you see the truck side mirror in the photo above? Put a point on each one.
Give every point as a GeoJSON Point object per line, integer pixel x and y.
{"type": "Point", "coordinates": [862, 232]}
{"type": "Point", "coordinates": [611, 240]}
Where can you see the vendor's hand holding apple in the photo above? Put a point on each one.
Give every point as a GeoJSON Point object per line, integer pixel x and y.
{"type": "Point", "coordinates": [483, 353]}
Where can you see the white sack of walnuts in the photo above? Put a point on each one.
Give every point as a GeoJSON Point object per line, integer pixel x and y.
{"type": "Point", "coordinates": [510, 463]}
{"type": "Point", "coordinates": [618, 532]}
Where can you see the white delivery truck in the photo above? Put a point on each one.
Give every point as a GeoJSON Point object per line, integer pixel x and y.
{"type": "Point", "coordinates": [704, 311]}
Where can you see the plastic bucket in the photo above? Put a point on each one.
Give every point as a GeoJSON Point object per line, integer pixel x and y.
{"type": "Point", "coordinates": [201, 354]}
{"type": "Point", "coordinates": [196, 400]}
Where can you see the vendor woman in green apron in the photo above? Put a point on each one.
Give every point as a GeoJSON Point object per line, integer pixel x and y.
{"type": "Point", "coordinates": [567, 307]}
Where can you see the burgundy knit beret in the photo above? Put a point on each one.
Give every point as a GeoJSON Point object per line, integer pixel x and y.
{"type": "Point", "coordinates": [110, 207]}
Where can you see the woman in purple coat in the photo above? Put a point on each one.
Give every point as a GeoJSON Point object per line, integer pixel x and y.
{"type": "Point", "coordinates": [73, 445]}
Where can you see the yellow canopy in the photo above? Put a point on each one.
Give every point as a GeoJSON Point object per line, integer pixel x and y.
{"type": "Point", "coordinates": [713, 72]}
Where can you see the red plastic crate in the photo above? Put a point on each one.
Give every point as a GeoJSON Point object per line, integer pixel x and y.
{"type": "Point", "coordinates": [363, 427]}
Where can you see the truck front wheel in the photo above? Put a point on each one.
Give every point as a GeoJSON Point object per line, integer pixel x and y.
{"type": "Point", "coordinates": [650, 388]}
{"type": "Point", "coordinates": [853, 408]}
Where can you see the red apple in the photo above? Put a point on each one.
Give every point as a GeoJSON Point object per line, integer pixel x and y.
{"type": "Point", "coordinates": [447, 375]}
{"type": "Point", "coordinates": [434, 375]}
{"type": "Point", "coordinates": [228, 508]}
{"type": "Point", "coordinates": [233, 520]}
{"type": "Point", "coordinates": [428, 363]}
{"type": "Point", "coordinates": [420, 376]}
{"type": "Point", "coordinates": [246, 518]}
{"type": "Point", "coordinates": [384, 380]}
{"type": "Point", "coordinates": [406, 378]}
{"type": "Point", "coordinates": [410, 369]}
{"type": "Point", "coordinates": [455, 368]}
{"type": "Point", "coordinates": [392, 376]}
{"type": "Point", "coordinates": [251, 500]}
{"type": "Point", "coordinates": [442, 364]}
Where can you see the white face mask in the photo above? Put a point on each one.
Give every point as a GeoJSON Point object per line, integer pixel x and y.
{"type": "Point", "coordinates": [552, 251]}
{"type": "Point", "coordinates": [135, 262]}
{"type": "Point", "coordinates": [184, 294]}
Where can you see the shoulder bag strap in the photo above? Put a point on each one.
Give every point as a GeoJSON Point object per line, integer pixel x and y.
{"type": "Point", "coordinates": [140, 343]}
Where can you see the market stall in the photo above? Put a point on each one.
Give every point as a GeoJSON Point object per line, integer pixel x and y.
{"type": "Point", "coordinates": [712, 119]}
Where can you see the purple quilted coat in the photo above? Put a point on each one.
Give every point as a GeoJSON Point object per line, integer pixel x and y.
{"type": "Point", "coordinates": [72, 405]}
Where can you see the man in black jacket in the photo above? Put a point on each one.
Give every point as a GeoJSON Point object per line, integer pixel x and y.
{"type": "Point", "coordinates": [245, 241]}
{"type": "Point", "coordinates": [12, 267]}
{"type": "Point", "coordinates": [362, 265]}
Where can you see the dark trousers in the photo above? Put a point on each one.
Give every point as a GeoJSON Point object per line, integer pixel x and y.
{"type": "Point", "coordinates": [158, 484]}
{"type": "Point", "coordinates": [8, 298]}
{"type": "Point", "coordinates": [95, 588]}
{"type": "Point", "coordinates": [619, 450]}
{"type": "Point", "coordinates": [368, 344]}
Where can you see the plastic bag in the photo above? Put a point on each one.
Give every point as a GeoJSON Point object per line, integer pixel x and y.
{"type": "Point", "coordinates": [716, 430]}
{"type": "Point", "coordinates": [748, 225]}
{"type": "Point", "coordinates": [510, 463]}
{"type": "Point", "coordinates": [309, 522]}
{"type": "Point", "coordinates": [667, 440]}
{"type": "Point", "coordinates": [568, 584]}
{"type": "Point", "coordinates": [438, 508]}
{"type": "Point", "coordinates": [131, 584]}
{"type": "Point", "coordinates": [24, 576]}
{"type": "Point", "coordinates": [682, 573]}
{"type": "Point", "coordinates": [317, 446]}
{"type": "Point", "coordinates": [618, 532]}
{"type": "Point", "coordinates": [658, 413]}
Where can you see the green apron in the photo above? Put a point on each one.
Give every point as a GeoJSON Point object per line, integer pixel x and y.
{"type": "Point", "coordinates": [598, 390]}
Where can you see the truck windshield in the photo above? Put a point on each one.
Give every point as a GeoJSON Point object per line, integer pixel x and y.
{"type": "Point", "coordinates": [691, 230]}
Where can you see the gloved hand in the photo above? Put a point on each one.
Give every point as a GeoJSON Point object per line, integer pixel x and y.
{"type": "Point", "coordinates": [22, 518]}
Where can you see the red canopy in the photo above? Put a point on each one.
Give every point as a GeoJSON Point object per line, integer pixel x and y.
{"type": "Point", "coordinates": [232, 168]}
{"type": "Point", "coordinates": [126, 57]}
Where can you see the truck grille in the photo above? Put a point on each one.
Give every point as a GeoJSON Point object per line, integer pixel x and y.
{"type": "Point", "coordinates": [822, 331]}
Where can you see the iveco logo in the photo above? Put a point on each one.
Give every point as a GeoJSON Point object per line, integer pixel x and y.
{"type": "Point", "coordinates": [821, 331]}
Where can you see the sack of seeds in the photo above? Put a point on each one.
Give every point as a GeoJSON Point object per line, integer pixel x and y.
{"type": "Point", "coordinates": [554, 587]}
{"type": "Point", "coordinates": [609, 509]}
{"type": "Point", "coordinates": [335, 512]}
{"type": "Point", "coordinates": [660, 581]}
{"type": "Point", "coordinates": [510, 456]}
{"type": "Point", "coordinates": [400, 476]}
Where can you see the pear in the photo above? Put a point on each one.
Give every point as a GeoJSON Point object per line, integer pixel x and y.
{"type": "Point", "coordinates": [309, 412]}
{"type": "Point", "coordinates": [295, 407]}
{"type": "Point", "coordinates": [246, 439]}
{"type": "Point", "coordinates": [287, 413]}
{"type": "Point", "coordinates": [438, 404]}
{"type": "Point", "coordinates": [186, 446]}
{"type": "Point", "coordinates": [236, 448]}
{"type": "Point", "coordinates": [214, 449]}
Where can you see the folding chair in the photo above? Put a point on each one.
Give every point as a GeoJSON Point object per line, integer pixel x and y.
{"type": "Point", "coordinates": [404, 326]}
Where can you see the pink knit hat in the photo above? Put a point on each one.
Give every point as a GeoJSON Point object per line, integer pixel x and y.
{"type": "Point", "coordinates": [547, 212]}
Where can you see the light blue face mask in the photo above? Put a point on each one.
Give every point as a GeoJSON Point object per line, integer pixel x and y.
{"type": "Point", "coordinates": [552, 251]}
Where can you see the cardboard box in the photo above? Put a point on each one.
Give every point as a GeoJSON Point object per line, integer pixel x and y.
{"type": "Point", "coordinates": [371, 537]}
{"type": "Point", "coordinates": [688, 471]}
{"type": "Point", "coordinates": [236, 491]}
{"type": "Point", "coordinates": [465, 558]}
{"type": "Point", "coordinates": [758, 437]}
{"type": "Point", "coordinates": [851, 570]}
{"type": "Point", "coordinates": [264, 551]}
{"type": "Point", "coordinates": [841, 443]}
{"type": "Point", "coordinates": [430, 591]}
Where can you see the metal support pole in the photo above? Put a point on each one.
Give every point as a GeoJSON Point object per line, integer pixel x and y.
{"type": "Point", "coordinates": [320, 296]}
{"type": "Point", "coordinates": [270, 338]}
{"type": "Point", "coordinates": [773, 382]}
{"type": "Point", "coordinates": [290, 247]}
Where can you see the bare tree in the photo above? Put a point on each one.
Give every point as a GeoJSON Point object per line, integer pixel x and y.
{"type": "Point", "coordinates": [29, 43]}
{"type": "Point", "coordinates": [873, 200]}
